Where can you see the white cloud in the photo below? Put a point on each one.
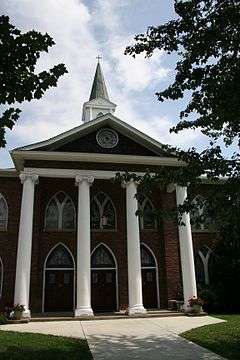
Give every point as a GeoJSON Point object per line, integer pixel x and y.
{"type": "Point", "coordinates": [80, 33]}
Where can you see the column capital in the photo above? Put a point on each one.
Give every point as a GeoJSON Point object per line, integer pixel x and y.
{"type": "Point", "coordinates": [125, 184]}
{"type": "Point", "coordinates": [33, 177]}
{"type": "Point", "coordinates": [81, 178]}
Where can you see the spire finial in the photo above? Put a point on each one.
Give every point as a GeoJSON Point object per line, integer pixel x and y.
{"type": "Point", "coordinates": [98, 58]}
{"type": "Point", "coordinates": [99, 89]}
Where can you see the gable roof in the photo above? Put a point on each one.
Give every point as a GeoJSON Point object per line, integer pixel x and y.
{"type": "Point", "coordinates": [104, 120]}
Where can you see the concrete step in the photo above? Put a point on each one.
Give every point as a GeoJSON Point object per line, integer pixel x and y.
{"type": "Point", "coordinates": [104, 316]}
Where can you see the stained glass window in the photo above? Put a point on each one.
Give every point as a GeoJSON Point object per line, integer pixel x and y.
{"type": "Point", "coordinates": [147, 259]}
{"type": "Point", "coordinates": [60, 213]}
{"type": "Point", "coordinates": [3, 213]}
{"type": "Point", "coordinates": [60, 258]}
{"type": "Point", "coordinates": [102, 258]}
{"type": "Point", "coordinates": [147, 220]}
{"type": "Point", "coordinates": [102, 212]}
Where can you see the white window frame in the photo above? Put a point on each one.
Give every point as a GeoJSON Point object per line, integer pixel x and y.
{"type": "Point", "coordinates": [141, 207]}
{"type": "Point", "coordinates": [143, 245]}
{"type": "Point", "coordinates": [205, 262]}
{"type": "Point", "coordinates": [101, 210]}
{"type": "Point", "coordinates": [115, 268]}
{"type": "Point", "coordinates": [45, 268]}
{"type": "Point", "coordinates": [6, 204]}
{"type": "Point", "coordinates": [60, 211]}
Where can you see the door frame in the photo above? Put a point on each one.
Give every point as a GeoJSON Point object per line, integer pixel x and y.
{"type": "Point", "coordinates": [153, 268]}
{"type": "Point", "coordinates": [58, 269]}
{"type": "Point", "coordinates": [108, 268]}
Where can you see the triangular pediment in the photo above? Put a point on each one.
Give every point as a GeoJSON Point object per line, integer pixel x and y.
{"type": "Point", "coordinates": [84, 139]}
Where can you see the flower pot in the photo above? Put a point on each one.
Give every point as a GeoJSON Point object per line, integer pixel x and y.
{"type": "Point", "coordinates": [196, 308]}
{"type": "Point", "coordinates": [18, 314]}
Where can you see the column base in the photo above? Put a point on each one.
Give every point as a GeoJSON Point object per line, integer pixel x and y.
{"type": "Point", "coordinates": [136, 309]}
{"type": "Point", "coordinates": [26, 314]}
{"type": "Point", "coordinates": [83, 312]}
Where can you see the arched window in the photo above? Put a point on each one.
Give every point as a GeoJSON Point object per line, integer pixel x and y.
{"type": "Point", "coordinates": [3, 213]}
{"type": "Point", "coordinates": [60, 213]}
{"type": "Point", "coordinates": [103, 215]}
{"type": "Point", "coordinates": [1, 277]}
{"type": "Point", "coordinates": [202, 262]}
{"type": "Point", "coordinates": [198, 221]}
{"type": "Point", "coordinates": [102, 258]}
{"type": "Point", "coordinates": [147, 259]}
{"type": "Point", "coordinates": [147, 220]}
{"type": "Point", "coordinates": [59, 257]}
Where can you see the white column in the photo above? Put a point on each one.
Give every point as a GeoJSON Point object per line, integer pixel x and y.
{"type": "Point", "coordinates": [83, 306]}
{"type": "Point", "coordinates": [186, 250]}
{"type": "Point", "coordinates": [133, 249]}
{"type": "Point", "coordinates": [23, 268]}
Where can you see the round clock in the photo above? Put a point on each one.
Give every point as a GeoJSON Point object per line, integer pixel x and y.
{"type": "Point", "coordinates": [107, 138]}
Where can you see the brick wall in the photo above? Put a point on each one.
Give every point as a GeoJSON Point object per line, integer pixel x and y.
{"type": "Point", "coordinates": [163, 241]}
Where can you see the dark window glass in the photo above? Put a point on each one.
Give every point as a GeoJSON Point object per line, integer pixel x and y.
{"type": "Point", "coordinates": [102, 212]}
{"type": "Point", "coordinates": [60, 258]}
{"type": "Point", "coordinates": [147, 260]}
{"type": "Point", "coordinates": [3, 213]}
{"type": "Point", "coordinates": [102, 258]}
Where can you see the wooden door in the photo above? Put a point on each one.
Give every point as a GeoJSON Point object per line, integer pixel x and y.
{"type": "Point", "coordinates": [149, 287]}
{"type": "Point", "coordinates": [58, 290]}
{"type": "Point", "coordinates": [103, 292]}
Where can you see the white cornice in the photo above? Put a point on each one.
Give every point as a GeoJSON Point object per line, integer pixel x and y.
{"type": "Point", "coordinates": [20, 156]}
{"type": "Point", "coordinates": [105, 120]}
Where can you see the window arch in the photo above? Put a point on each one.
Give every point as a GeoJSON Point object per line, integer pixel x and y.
{"type": "Point", "coordinates": [147, 258]}
{"type": "Point", "coordinates": [147, 219]}
{"type": "Point", "coordinates": [103, 214]}
{"type": "Point", "coordinates": [60, 213]}
{"type": "Point", "coordinates": [59, 257]}
{"type": "Point", "coordinates": [3, 213]}
{"type": "Point", "coordinates": [202, 262]}
{"type": "Point", "coordinates": [102, 257]}
{"type": "Point", "coordinates": [198, 222]}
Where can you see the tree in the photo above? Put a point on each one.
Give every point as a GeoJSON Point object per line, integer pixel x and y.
{"type": "Point", "coordinates": [206, 39]}
{"type": "Point", "coordinates": [18, 80]}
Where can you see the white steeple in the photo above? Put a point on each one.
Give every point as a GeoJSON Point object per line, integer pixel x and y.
{"type": "Point", "coordinates": [99, 103]}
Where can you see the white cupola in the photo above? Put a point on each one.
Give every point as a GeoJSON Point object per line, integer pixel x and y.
{"type": "Point", "coordinates": [99, 103]}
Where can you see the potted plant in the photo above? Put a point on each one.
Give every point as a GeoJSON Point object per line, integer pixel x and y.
{"type": "Point", "coordinates": [196, 304]}
{"type": "Point", "coordinates": [18, 310]}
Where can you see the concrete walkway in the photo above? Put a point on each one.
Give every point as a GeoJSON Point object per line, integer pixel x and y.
{"type": "Point", "coordinates": [125, 339]}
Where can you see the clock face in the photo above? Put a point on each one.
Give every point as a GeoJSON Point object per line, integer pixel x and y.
{"type": "Point", "coordinates": [107, 138]}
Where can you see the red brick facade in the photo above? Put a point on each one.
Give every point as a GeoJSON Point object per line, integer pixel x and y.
{"type": "Point", "coordinates": [163, 241]}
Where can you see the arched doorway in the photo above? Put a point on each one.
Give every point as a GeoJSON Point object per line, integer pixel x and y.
{"type": "Point", "coordinates": [59, 280]}
{"type": "Point", "coordinates": [149, 278]}
{"type": "Point", "coordinates": [103, 279]}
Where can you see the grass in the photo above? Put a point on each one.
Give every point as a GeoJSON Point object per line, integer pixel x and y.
{"type": "Point", "coordinates": [19, 346]}
{"type": "Point", "coordinates": [222, 338]}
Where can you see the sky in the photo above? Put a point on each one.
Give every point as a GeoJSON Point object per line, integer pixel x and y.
{"type": "Point", "coordinates": [82, 30]}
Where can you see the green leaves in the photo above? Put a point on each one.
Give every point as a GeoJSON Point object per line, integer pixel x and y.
{"type": "Point", "coordinates": [18, 80]}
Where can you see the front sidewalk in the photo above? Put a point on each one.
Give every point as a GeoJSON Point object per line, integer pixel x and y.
{"type": "Point", "coordinates": [143, 339]}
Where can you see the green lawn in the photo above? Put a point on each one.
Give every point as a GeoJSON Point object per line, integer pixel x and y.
{"type": "Point", "coordinates": [223, 338]}
{"type": "Point", "coordinates": [25, 346]}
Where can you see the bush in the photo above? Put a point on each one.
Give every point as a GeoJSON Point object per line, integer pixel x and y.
{"type": "Point", "coordinates": [3, 319]}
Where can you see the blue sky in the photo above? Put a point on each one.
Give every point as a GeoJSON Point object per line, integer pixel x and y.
{"type": "Point", "coordinates": [82, 30]}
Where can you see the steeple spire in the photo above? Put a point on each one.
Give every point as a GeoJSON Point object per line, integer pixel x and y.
{"type": "Point", "coordinates": [99, 89]}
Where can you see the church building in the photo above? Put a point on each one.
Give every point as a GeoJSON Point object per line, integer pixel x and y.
{"type": "Point", "coordinates": [70, 240]}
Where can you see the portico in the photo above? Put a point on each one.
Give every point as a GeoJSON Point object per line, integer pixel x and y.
{"type": "Point", "coordinates": [84, 179]}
